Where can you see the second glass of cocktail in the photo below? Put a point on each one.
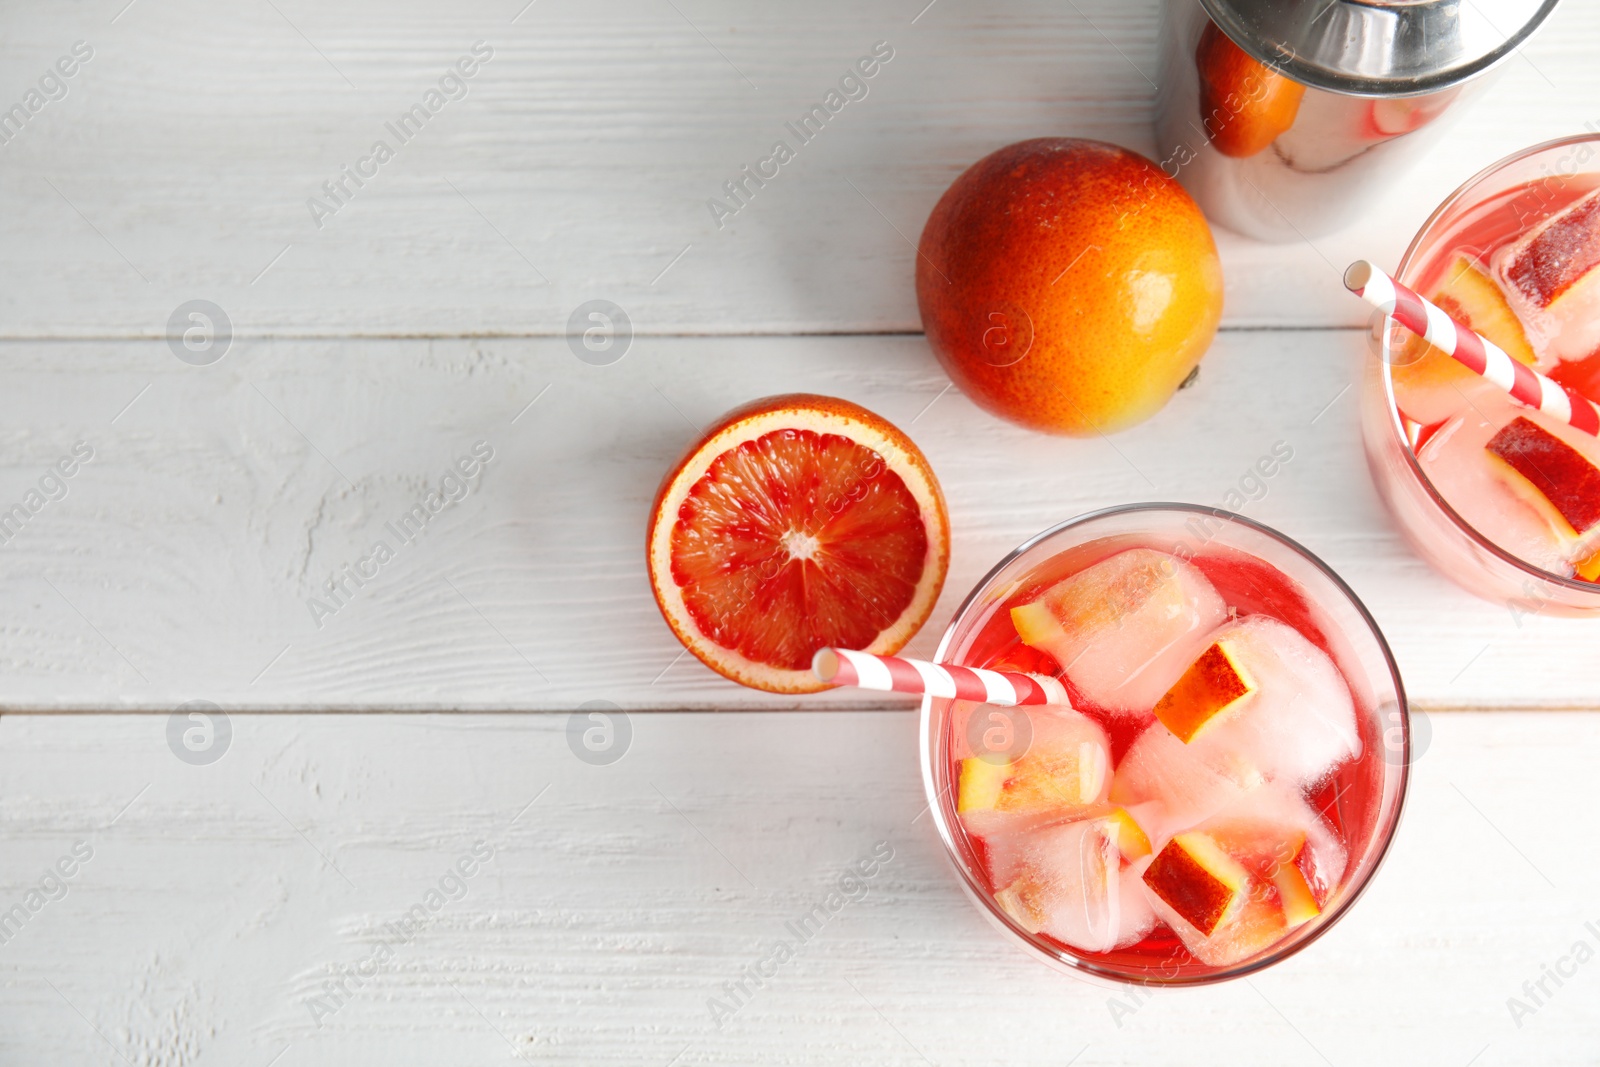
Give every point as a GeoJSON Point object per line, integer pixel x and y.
{"type": "Point", "coordinates": [1502, 498]}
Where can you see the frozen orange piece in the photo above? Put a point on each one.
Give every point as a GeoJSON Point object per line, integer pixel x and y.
{"type": "Point", "coordinates": [1299, 903]}
{"type": "Point", "coordinates": [1068, 883]}
{"type": "Point", "coordinates": [1552, 274]}
{"type": "Point", "coordinates": [1588, 567]}
{"type": "Point", "coordinates": [1127, 835]}
{"type": "Point", "coordinates": [1198, 880]}
{"type": "Point", "coordinates": [1065, 771]}
{"type": "Point", "coordinates": [1558, 482]}
{"type": "Point", "coordinates": [1272, 851]}
{"type": "Point", "coordinates": [1123, 629]}
{"type": "Point", "coordinates": [982, 781]}
{"type": "Point", "coordinates": [1291, 860]}
{"type": "Point", "coordinates": [1551, 474]}
{"type": "Point", "coordinates": [1213, 684]}
{"type": "Point", "coordinates": [1486, 492]}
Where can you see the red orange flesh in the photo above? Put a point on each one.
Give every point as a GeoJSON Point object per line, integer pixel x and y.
{"type": "Point", "coordinates": [1212, 684]}
{"type": "Point", "coordinates": [798, 522]}
{"type": "Point", "coordinates": [1562, 475]}
{"type": "Point", "coordinates": [1200, 881]}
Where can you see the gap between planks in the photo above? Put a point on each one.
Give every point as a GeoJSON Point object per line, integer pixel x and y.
{"type": "Point", "coordinates": [1427, 707]}
{"type": "Point", "coordinates": [511, 335]}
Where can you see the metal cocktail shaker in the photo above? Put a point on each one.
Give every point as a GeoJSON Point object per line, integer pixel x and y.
{"type": "Point", "coordinates": [1281, 116]}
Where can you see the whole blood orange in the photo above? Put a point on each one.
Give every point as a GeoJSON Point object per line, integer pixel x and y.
{"type": "Point", "coordinates": [1068, 285]}
{"type": "Point", "coordinates": [797, 523]}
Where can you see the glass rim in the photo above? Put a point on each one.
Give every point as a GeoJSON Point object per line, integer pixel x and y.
{"type": "Point", "coordinates": [1459, 194]}
{"type": "Point", "coordinates": [1068, 958]}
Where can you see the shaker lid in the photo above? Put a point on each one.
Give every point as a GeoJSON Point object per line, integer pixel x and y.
{"type": "Point", "coordinates": [1379, 47]}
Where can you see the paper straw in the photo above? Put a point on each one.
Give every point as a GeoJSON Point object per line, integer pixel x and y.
{"type": "Point", "coordinates": [892, 674]}
{"type": "Point", "coordinates": [1472, 350]}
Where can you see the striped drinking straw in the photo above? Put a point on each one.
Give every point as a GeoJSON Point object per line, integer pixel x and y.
{"type": "Point", "coordinates": [892, 674]}
{"type": "Point", "coordinates": [1472, 350]}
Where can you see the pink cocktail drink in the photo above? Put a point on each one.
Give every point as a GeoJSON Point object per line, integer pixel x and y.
{"type": "Point", "coordinates": [1230, 770]}
{"type": "Point", "coordinates": [1502, 498]}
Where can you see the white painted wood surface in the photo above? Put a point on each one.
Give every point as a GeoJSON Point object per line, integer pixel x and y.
{"type": "Point", "coordinates": [181, 562]}
{"type": "Point", "coordinates": [579, 164]}
{"type": "Point", "coordinates": [426, 315]}
{"type": "Point", "coordinates": [620, 902]}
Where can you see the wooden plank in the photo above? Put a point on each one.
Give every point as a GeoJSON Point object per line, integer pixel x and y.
{"type": "Point", "coordinates": [221, 499]}
{"type": "Point", "coordinates": [579, 163]}
{"type": "Point", "coordinates": [215, 907]}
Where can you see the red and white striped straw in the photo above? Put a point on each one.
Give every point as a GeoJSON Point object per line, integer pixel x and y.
{"type": "Point", "coordinates": [1472, 350]}
{"type": "Point", "coordinates": [892, 674]}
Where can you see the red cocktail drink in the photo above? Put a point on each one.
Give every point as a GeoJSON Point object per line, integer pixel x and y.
{"type": "Point", "coordinates": [1230, 770]}
{"type": "Point", "coordinates": [1502, 498]}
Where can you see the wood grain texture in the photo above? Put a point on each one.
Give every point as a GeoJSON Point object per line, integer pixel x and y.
{"type": "Point", "coordinates": [424, 316]}
{"type": "Point", "coordinates": [216, 905]}
{"type": "Point", "coordinates": [182, 561]}
{"type": "Point", "coordinates": [579, 164]}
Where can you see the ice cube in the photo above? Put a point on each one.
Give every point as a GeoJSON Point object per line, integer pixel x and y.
{"type": "Point", "coordinates": [1221, 886]}
{"type": "Point", "coordinates": [1557, 480]}
{"type": "Point", "coordinates": [1275, 826]}
{"type": "Point", "coordinates": [1478, 487]}
{"type": "Point", "coordinates": [1068, 881]}
{"type": "Point", "coordinates": [1298, 720]}
{"type": "Point", "coordinates": [1550, 278]}
{"type": "Point", "coordinates": [1031, 765]}
{"type": "Point", "coordinates": [1169, 788]}
{"type": "Point", "coordinates": [1124, 628]}
{"type": "Point", "coordinates": [1138, 915]}
{"type": "Point", "coordinates": [1003, 850]}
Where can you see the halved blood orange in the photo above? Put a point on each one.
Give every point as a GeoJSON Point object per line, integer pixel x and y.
{"type": "Point", "coordinates": [798, 522]}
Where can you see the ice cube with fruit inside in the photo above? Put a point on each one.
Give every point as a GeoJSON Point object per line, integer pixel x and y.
{"type": "Point", "coordinates": [1075, 881]}
{"type": "Point", "coordinates": [1262, 703]}
{"type": "Point", "coordinates": [1551, 275]}
{"type": "Point", "coordinates": [1244, 879]}
{"type": "Point", "coordinates": [1056, 766]}
{"type": "Point", "coordinates": [1527, 481]}
{"type": "Point", "coordinates": [1124, 628]}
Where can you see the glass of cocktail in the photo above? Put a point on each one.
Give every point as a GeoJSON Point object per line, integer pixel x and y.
{"type": "Point", "coordinates": [1229, 773]}
{"type": "Point", "coordinates": [1502, 498]}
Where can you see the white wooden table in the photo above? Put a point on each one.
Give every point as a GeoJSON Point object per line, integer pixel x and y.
{"type": "Point", "coordinates": [371, 754]}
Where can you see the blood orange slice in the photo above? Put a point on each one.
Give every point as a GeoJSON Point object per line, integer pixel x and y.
{"type": "Point", "coordinates": [797, 523]}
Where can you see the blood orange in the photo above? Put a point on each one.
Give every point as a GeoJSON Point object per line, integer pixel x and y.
{"type": "Point", "coordinates": [798, 522]}
{"type": "Point", "coordinates": [1068, 285]}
